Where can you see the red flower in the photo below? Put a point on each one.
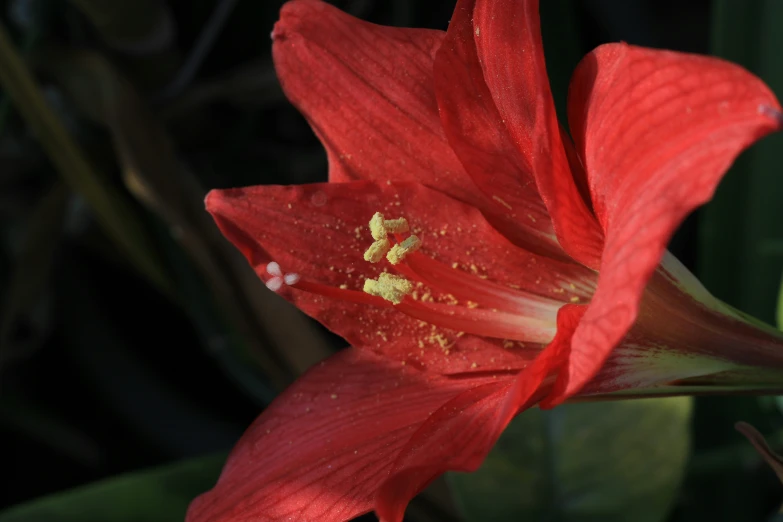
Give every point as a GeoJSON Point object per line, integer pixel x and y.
{"type": "Point", "coordinates": [538, 274]}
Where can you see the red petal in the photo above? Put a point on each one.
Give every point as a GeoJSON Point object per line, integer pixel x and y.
{"type": "Point", "coordinates": [357, 430]}
{"type": "Point", "coordinates": [368, 93]}
{"type": "Point", "coordinates": [319, 231]}
{"type": "Point", "coordinates": [459, 435]}
{"type": "Point", "coordinates": [657, 130]}
{"type": "Point", "coordinates": [507, 36]}
{"type": "Point", "coordinates": [324, 447]}
{"type": "Point", "coordinates": [476, 132]}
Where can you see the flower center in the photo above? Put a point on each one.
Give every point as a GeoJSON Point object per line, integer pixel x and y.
{"type": "Point", "coordinates": [380, 229]}
{"type": "Point", "coordinates": [490, 309]}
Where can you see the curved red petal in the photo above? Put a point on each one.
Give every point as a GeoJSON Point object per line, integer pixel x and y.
{"type": "Point", "coordinates": [479, 137]}
{"type": "Point", "coordinates": [357, 432]}
{"type": "Point", "coordinates": [656, 131]}
{"type": "Point", "coordinates": [461, 433]}
{"type": "Point", "coordinates": [319, 231]}
{"type": "Point", "coordinates": [323, 448]}
{"type": "Point", "coordinates": [367, 91]}
{"type": "Point", "coordinates": [507, 36]}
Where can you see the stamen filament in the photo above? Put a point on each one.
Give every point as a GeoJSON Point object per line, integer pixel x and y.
{"type": "Point", "coordinates": [464, 286]}
{"type": "Point", "coordinates": [483, 322]}
{"type": "Point", "coordinates": [353, 296]}
{"type": "Point", "coordinates": [476, 321]}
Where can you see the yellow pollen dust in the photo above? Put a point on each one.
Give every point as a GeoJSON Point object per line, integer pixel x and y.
{"type": "Point", "coordinates": [390, 287]}
{"type": "Point", "coordinates": [400, 250]}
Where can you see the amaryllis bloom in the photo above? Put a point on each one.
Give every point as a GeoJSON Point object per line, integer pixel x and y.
{"type": "Point", "coordinates": [508, 263]}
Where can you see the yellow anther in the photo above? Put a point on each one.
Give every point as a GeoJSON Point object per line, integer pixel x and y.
{"type": "Point", "coordinates": [400, 250]}
{"type": "Point", "coordinates": [377, 229]}
{"type": "Point", "coordinates": [377, 250]}
{"type": "Point", "coordinates": [396, 226]}
{"type": "Point", "coordinates": [390, 287]}
{"type": "Point", "coordinates": [380, 227]}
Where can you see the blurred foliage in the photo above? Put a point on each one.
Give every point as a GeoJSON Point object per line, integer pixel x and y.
{"type": "Point", "coordinates": [133, 335]}
{"type": "Point", "coordinates": [741, 233]}
{"type": "Point", "coordinates": [780, 307]}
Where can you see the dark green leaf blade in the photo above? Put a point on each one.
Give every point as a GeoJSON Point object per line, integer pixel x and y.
{"type": "Point", "coordinates": [614, 461]}
{"type": "Point", "coordinates": [156, 495]}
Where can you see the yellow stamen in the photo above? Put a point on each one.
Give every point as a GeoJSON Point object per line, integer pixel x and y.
{"type": "Point", "coordinates": [400, 250]}
{"type": "Point", "coordinates": [390, 287]}
{"type": "Point", "coordinates": [377, 250]}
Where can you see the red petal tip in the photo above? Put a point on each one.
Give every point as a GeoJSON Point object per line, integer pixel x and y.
{"type": "Point", "coordinates": [278, 32]}
{"type": "Point", "coordinates": [217, 200]}
{"type": "Point", "coordinates": [292, 15]}
{"type": "Point", "coordinates": [773, 113]}
{"type": "Point", "coordinates": [211, 201]}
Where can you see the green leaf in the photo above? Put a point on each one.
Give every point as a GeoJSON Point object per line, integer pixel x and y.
{"type": "Point", "coordinates": [156, 495]}
{"type": "Point", "coordinates": [613, 461]}
{"type": "Point", "coordinates": [741, 232]}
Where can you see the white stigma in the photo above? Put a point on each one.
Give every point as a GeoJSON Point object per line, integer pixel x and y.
{"type": "Point", "coordinates": [278, 278]}
{"type": "Point", "coordinates": [291, 279]}
{"type": "Point", "coordinates": [273, 269]}
{"type": "Point", "coordinates": [274, 284]}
